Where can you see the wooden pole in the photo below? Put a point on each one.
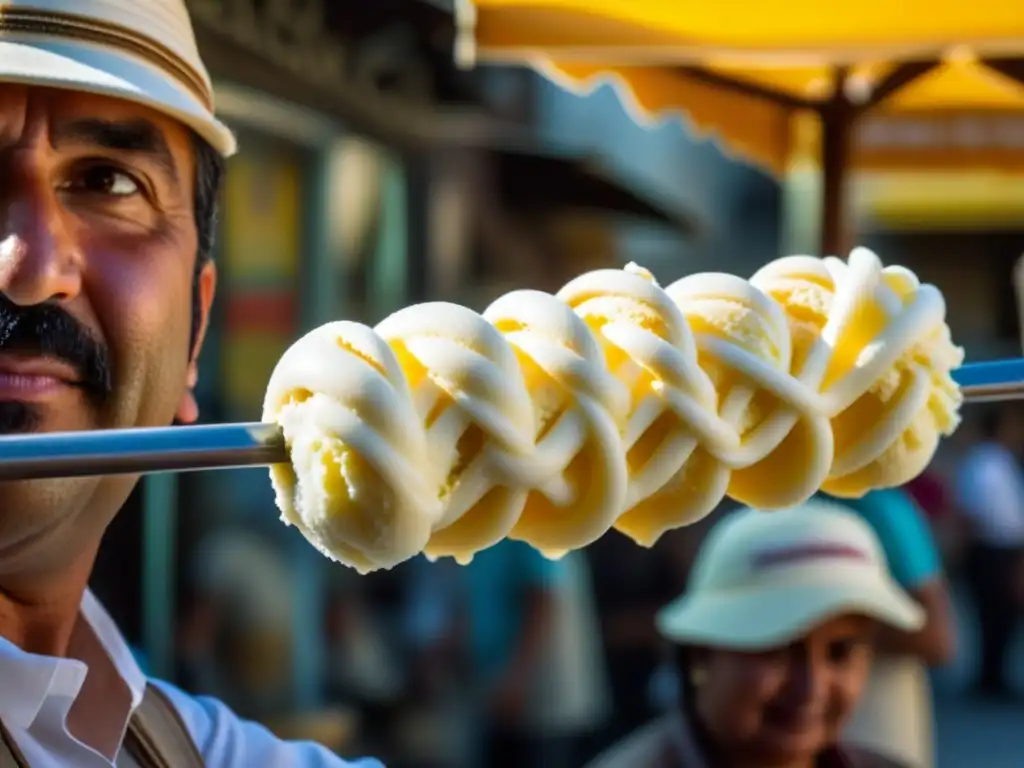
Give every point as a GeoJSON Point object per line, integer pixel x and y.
{"type": "Point", "coordinates": [837, 116]}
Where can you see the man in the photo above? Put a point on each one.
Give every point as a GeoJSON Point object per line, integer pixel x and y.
{"type": "Point", "coordinates": [894, 717]}
{"type": "Point", "coordinates": [990, 493]}
{"type": "Point", "coordinates": [110, 158]}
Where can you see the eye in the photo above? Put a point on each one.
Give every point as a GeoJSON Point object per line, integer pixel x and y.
{"type": "Point", "coordinates": [103, 179]}
{"type": "Point", "coordinates": [841, 651]}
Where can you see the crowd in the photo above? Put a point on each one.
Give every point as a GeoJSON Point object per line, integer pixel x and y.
{"type": "Point", "coordinates": [519, 660]}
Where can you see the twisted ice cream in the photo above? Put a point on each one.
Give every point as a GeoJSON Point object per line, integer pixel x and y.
{"type": "Point", "coordinates": [355, 487]}
{"type": "Point", "coordinates": [877, 342]}
{"type": "Point", "coordinates": [521, 419]}
{"type": "Point", "coordinates": [618, 403]}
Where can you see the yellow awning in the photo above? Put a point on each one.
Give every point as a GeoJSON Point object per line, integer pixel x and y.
{"type": "Point", "coordinates": [661, 31]}
{"type": "Point", "coordinates": [715, 62]}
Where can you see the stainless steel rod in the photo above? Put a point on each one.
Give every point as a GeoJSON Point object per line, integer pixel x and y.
{"type": "Point", "coordinates": [135, 451]}
{"type": "Point", "coordinates": [225, 446]}
{"type": "Point", "coordinates": [992, 381]}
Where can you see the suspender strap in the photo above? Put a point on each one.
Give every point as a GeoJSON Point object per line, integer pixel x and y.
{"type": "Point", "coordinates": [157, 737]}
{"type": "Point", "coordinates": [10, 755]}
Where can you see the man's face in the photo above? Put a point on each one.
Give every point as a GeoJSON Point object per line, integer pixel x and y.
{"type": "Point", "coordinates": [97, 253]}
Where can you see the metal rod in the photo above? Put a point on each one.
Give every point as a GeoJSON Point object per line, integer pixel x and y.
{"type": "Point", "coordinates": [135, 451]}
{"type": "Point", "coordinates": [224, 446]}
{"type": "Point", "coordinates": [992, 381]}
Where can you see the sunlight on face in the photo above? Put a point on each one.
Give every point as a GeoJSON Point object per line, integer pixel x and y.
{"type": "Point", "coordinates": [97, 252]}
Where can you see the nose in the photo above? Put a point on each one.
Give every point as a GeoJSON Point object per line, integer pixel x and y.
{"type": "Point", "coordinates": [39, 260]}
{"type": "Point", "coordinates": [808, 678]}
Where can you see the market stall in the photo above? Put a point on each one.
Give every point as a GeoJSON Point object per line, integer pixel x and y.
{"type": "Point", "coordinates": [742, 71]}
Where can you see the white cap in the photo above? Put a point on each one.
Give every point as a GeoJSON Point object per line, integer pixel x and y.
{"type": "Point", "coordinates": [143, 51]}
{"type": "Point", "coordinates": [765, 579]}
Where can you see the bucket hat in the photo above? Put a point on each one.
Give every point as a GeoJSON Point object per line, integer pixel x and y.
{"type": "Point", "coordinates": [765, 579]}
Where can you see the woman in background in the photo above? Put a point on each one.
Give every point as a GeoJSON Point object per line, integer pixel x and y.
{"type": "Point", "coordinates": [895, 714]}
{"type": "Point", "coordinates": [773, 642]}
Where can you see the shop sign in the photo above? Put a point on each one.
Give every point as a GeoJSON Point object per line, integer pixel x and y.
{"type": "Point", "coordinates": [964, 132]}
{"type": "Point", "coordinates": [940, 141]}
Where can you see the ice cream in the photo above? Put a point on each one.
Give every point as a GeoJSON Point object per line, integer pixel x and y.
{"type": "Point", "coordinates": [550, 419]}
{"type": "Point", "coordinates": [356, 487]}
{"type": "Point", "coordinates": [878, 340]}
{"type": "Point", "coordinates": [470, 401]}
{"type": "Point", "coordinates": [443, 431]}
{"type": "Point", "coordinates": [713, 407]}
{"type": "Point", "coordinates": [785, 444]}
{"type": "Point", "coordinates": [521, 419]}
{"type": "Point", "coordinates": [673, 403]}
{"type": "Point", "coordinates": [579, 464]}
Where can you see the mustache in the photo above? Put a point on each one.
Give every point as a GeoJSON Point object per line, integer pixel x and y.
{"type": "Point", "coordinates": [48, 330]}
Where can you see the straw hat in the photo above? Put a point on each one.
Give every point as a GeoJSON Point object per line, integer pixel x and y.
{"type": "Point", "coordinates": [143, 51]}
{"type": "Point", "coordinates": [764, 579]}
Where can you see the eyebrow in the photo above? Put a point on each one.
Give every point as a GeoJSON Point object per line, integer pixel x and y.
{"type": "Point", "coordinates": [138, 137]}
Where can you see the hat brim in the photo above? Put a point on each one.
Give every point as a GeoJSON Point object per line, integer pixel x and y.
{"type": "Point", "coordinates": [81, 66]}
{"type": "Point", "coordinates": [762, 619]}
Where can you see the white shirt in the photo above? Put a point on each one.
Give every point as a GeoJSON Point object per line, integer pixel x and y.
{"type": "Point", "coordinates": [894, 715]}
{"type": "Point", "coordinates": [990, 491]}
{"type": "Point", "coordinates": [37, 693]}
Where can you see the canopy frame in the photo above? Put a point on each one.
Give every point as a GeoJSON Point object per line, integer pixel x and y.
{"type": "Point", "coordinates": [838, 114]}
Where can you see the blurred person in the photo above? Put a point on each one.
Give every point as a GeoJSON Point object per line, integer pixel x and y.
{"type": "Point", "coordinates": [434, 727]}
{"type": "Point", "coordinates": [990, 493]}
{"type": "Point", "coordinates": [363, 671]}
{"type": "Point", "coordinates": [435, 620]}
{"type": "Point", "coordinates": [571, 699]}
{"type": "Point", "coordinates": [111, 160]}
{"type": "Point", "coordinates": [235, 632]}
{"type": "Point", "coordinates": [362, 667]}
{"type": "Point", "coordinates": [895, 714]}
{"type": "Point", "coordinates": [773, 642]}
{"type": "Point", "coordinates": [512, 596]}
{"type": "Point", "coordinates": [630, 584]}
{"type": "Point", "coordinates": [934, 496]}
{"type": "Point", "coordinates": [930, 494]}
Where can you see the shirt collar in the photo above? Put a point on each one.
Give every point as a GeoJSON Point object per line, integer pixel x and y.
{"type": "Point", "coordinates": [29, 679]}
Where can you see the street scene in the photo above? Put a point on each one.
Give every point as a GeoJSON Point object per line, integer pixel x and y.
{"type": "Point", "coordinates": [511, 384]}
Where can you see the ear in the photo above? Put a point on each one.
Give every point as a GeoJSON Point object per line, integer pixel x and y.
{"type": "Point", "coordinates": [188, 408]}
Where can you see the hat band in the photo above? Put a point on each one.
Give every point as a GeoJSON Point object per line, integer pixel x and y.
{"type": "Point", "coordinates": [68, 26]}
{"type": "Point", "coordinates": [803, 553]}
